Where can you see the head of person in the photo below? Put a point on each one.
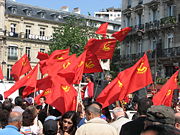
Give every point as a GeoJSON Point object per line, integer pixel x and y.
{"type": "Point", "coordinates": [33, 110]}
{"type": "Point", "coordinates": [89, 78]}
{"type": "Point", "coordinates": [19, 101]}
{"type": "Point", "coordinates": [118, 112]}
{"type": "Point", "coordinates": [177, 120]}
{"type": "Point", "coordinates": [50, 127]}
{"type": "Point", "coordinates": [68, 122]}
{"type": "Point", "coordinates": [42, 100]}
{"type": "Point", "coordinates": [160, 130]}
{"type": "Point", "coordinates": [143, 105]}
{"type": "Point", "coordinates": [108, 77]}
{"type": "Point", "coordinates": [93, 110]}
{"type": "Point", "coordinates": [4, 115]}
{"type": "Point", "coordinates": [28, 118]}
{"type": "Point", "coordinates": [160, 115]}
{"type": "Point", "coordinates": [7, 105]}
{"type": "Point", "coordinates": [177, 108]}
{"type": "Point", "coordinates": [15, 119]}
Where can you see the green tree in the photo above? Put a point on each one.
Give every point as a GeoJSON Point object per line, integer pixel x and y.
{"type": "Point", "coordinates": [73, 33]}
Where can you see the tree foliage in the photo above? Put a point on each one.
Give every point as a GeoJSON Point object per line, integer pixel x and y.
{"type": "Point", "coordinates": [73, 33]}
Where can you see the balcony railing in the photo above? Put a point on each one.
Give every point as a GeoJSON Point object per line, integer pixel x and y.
{"type": "Point", "coordinates": [12, 57]}
{"type": "Point", "coordinates": [168, 20]}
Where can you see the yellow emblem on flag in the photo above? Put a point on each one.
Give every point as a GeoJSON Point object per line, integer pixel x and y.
{"type": "Point", "coordinates": [66, 64]}
{"type": "Point", "coordinates": [169, 92]}
{"type": "Point", "coordinates": [59, 57]}
{"type": "Point", "coordinates": [47, 92]}
{"type": "Point", "coordinates": [106, 46]}
{"type": "Point", "coordinates": [120, 84]}
{"type": "Point", "coordinates": [89, 64]}
{"type": "Point", "coordinates": [65, 88]}
{"type": "Point", "coordinates": [124, 32]}
{"type": "Point", "coordinates": [141, 69]}
{"type": "Point", "coordinates": [81, 63]}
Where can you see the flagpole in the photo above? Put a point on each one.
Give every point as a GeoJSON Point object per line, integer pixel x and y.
{"type": "Point", "coordinates": [35, 87]}
{"type": "Point", "coordinates": [79, 86]}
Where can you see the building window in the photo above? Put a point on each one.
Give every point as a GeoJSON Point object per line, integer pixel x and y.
{"type": "Point", "coordinates": [129, 3]}
{"type": "Point", "coordinates": [140, 2]}
{"type": "Point", "coordinates": [170, 10]}
{"type": "Point", "coordinates": [13, 28]}
{"type": "Point", "coordinates": [153, 46]}
{"type": "Point", "coordinates": [28, 52]}
{"type": "Point", "coordinates": [115, 27]}
{"type": "Point", "coordinates": [42, 32]}
{"type": "Point", "coordinates": [139, 19]}
{"type": "Point", "coordinates": [28, 31]}
{"type": "Point", "coordinates": [170, 40]}
{"type": "Point", "coordinates": [42, 15]}
{"type": "Point", "coordinates": [9, 77]}
{"type": "Point", "coordinates": [139, 47]}
{"type": "Point", "coordinates": [154, 15]}
{"type": "Point", "coordinates": [12, 53]}
{"type": "Point", "coordinates": [13, 10]}
{"type": "Point", "coordinates": [128, 49]}
{"type": "Point", "coordinates": [42, 50]}
{"type": "Point", "coordinates": [128, 21]}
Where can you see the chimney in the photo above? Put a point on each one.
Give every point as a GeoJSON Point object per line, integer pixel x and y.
{"type": "Point", "coordinates": [76, 10]}
{"type": "Point", "coordinates": [64, 8]}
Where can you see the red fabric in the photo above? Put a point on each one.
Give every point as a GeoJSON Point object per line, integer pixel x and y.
{"type": "Point", "coordinates": [127, 81]}
{"type": "Point", "coordinates": [79, 68]}
{"type": "Point", "coordinates": [28, 80]}
{"type": "Point", "coordinates": [102, 29]}
{"type": "Point", "coordinates": [42, 56]}
{"type": "Point", "coordinates": [164, 96]}
{"type": "Point", "coordinates": [1, 74]}
{"type": "Point", "coordinates": [21, 67]}
{"type": "Point", "coordinates": [62, 95]}
{"type": "Point", "coordinates": [120, 35]}
{"type": "Point", "coordinates": [102, 48]}
{"type": "Point", "coordinates": [92, 64]}
{"type": "Point", "coordinates": [90, 87]}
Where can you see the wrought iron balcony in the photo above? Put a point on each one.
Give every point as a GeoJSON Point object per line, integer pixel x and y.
{"type": "Point", "coordinates": [152, 25]}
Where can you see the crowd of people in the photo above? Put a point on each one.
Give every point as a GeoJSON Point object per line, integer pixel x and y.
{"type": "Point", "coordinates": [24, 117]}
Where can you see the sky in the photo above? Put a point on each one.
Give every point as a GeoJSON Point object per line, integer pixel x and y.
{"type": "Point", "coordinates": [85, 5]}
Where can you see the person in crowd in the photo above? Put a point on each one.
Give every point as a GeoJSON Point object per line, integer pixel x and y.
{"type": "Point", "coordinates": [177, 120]}
{"type": "Point", "coordinates": [119, 117]}
{"type": "Point", "coordinates": [95, 125]}
{"type": "Point", "coordinates": [136, 126]}
{"type": "Point", "coordinates": [160, 130]}
{"type": "Point", "coordinates": [50, 127]}
{"type": "Point", "coordinates": [30, 124]}
{"type": "Point", "coordinates": [18, 104]}
{"type": "Point", "coordinates": [88, 90]}
{"type": "Point", "coordinates": [177, 107]}
{"type": "Point", "coordinates": [68, 123]}
{"type": "Point", "coordinates": [14, 124]}
{"type": "Point", "coordinates": [4, 115]}
{"type": "Point", "coordinates": [53, 115]}
{"type": "Point", "coordinates": [44, 111]}
{"type": "Point", "coordinates": [160, 115]}
{"type": "Point", "coordinates": [7, 105]}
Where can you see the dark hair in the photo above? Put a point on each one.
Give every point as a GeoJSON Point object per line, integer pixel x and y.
{"type": "Point", "coordinates": [90, 77]}
{"type": "Point", "coordinates": [43, 97]}
{"type": "Point", "coordinates": [1, 97]}
{"type": "Point", "coordinates": [19, 101]}
{"type": "Point", "coordinates": [4, 115]}
{"type": "Point", "coordinates": [50, 127]}
{"type": "Point", "coordinates": [69, 115]}
{"type": "Point", "coordinates": [7, 105]}
{"type": "Point", "coordinates": [143, 105]}
{"type": "Point", "coordinates": [28, 118]}
{"type": "Point", "coordinates": [163, 129]}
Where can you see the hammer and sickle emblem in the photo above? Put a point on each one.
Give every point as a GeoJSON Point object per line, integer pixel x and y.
{"type": "Point", "coordinates": [169, 92]}
{"type": "Point", "coordinates": [120, 84]}
{"type": "Point", "coordinates": [66, 65]}
{"type": "Point", "coordinates": [124, 32]}
{"type": "Point", "coordinates": [65, 88]}
{"type": "Point", "coordinates": [47, 92]}
{"type": "Point", "coordinates": [89, 64]}
{"type": "Point", "coordinates": [59, 58]}
{"type": "Point", "coordinates": [81, 63]}
{"type": "Point", "coordinates": [142, 69]}
{"type": "Point", "coordinates": [24, 62]}
{"type": "Point", "coordinates": [106, 46]}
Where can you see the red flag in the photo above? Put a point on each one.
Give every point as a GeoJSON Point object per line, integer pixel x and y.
{"type": "Point", "coordinates": [92, 64]}
{"type": "Point", "coordinates": [28, 80]}
{"type": "Point", "coordinates": [127, 81]}
{"type": "Point", "coordinates": [102, 29]}
{"type": "Point", "coordinates": [79, 69]}
{"type": "Point", "coordinates": [21, 67]}
{"type": "Point", "coordinates": [120, 35]}
{"type": "Point", "coordinates": [164, 96]}
{"type": "Point", "coordinates": [1, 74]}
{"type": "Point", "coordinates": [42, 84]}
{"type": "Point", "coordinates": [62, 95]}
{"type": "Point", "coordinates": [102, 48]}
{"type": "Point", "coordinates": [42, 56]}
